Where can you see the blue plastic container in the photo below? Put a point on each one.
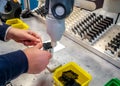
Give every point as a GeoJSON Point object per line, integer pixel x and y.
{"type": "Point", "coordinates": [33, 4]}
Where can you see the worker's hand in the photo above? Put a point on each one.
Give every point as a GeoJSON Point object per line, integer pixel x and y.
{"type": "Point", "coordinates": [26, 37]}
{"type": "Point", "coordinates": [37, 59]}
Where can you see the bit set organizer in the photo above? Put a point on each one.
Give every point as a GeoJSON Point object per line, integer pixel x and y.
{"type": "Point", "coordinates": [114, 46]}
{"type": "Point", "coordinates": [96, 33]}
{"type": "Point", "coordinates": [91, 27]}
{"type": "Point", "coordinates": [42, 11]}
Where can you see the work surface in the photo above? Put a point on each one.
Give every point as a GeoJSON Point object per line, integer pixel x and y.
{"type": "Point", "coordinates": [101, 70]}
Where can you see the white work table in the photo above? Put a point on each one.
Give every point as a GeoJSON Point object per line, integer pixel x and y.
{"type": "Point", "coordinates": [101, 70]}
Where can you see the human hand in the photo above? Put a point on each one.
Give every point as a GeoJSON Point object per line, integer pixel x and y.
{"type": "Point", "coordinates": [26, 37]}
{"type": "Point", "coordinates": [37, 59]}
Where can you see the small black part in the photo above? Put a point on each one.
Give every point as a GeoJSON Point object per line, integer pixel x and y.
{"type": "Point", "coordinates": [73, 30]}
{"type": "Point", "coordinates": [43, 11]}
{"type": "Point", "coordinates": [101, 16]}
{"type": "Point", "coordinates": [104, 24]}
{"type": "Point", "coordinates": [91, 35]}
{"type": "Point", "coordinates": [94, 14]}
{"type": "Point", "coordinates": [113, 42]}
{"type": "Point", "coordinates": [114, 39]}
{"type": "Point", "coordinates": [80, 34]}
{"type": "Point", "coordinates": [47, 45]}
{"type": "Point", "coordinates": [76, 84]}
{"type": "Point", "coordinates": [97, 31]}
{"type": "Point", "coordinates": [109, 44]}
{"type": "Point", "coordinates": [77, 30]}
{"type": "Point", "coordinates": [93, 29]}
{"type": "Point", "coordinates": [87, 19]}
{"type": "Point", "coordinates": [26, 13]}
{"type": "Point", "coordinates": [119, 54]}
{"type": "Point", "coordinates": [111, 19]}
{"type": "Point", "coordinates": [98, 19]}
{"type": "Point", "coordinates": [115, 47]}
{"type": "Point", "coordinates": [94, 21]}
{"type": "Point", "coordinates": [78, 26]}
{"type": "Point", "coordinates": [119, 34]}
{"type": "Point", "coordinates": [87, 28]}
{"type": "Point", "coordinates": [80, 29]}
{"type": "Point", "coordinates": [97, 28]}
{"type": "Point", "coordinates": [112, 52]}
{"type": "Point", "coordinates": [106, 21]}
{"type": "Point", "coordinates": [101, 26]}
{"type": "Point", "coordinates": [68, 78]}
{"type": "Point", "coordinates": [93, 32]}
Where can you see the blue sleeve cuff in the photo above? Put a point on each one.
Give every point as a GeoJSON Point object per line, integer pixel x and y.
{"type": "Point", "coordinates": [12, 65]}
{"type": "Point", "coordinates": [3, 29]}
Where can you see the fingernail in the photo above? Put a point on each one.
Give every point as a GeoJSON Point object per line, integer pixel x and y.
{"type": "Point", "coordinates": [38, 40]}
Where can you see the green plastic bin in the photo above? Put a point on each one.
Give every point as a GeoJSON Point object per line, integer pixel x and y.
{"type": "Point", "coordinates": [113, 82]}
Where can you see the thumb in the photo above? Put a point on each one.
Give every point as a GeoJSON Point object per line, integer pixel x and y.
{"type": "Point", "coordinates": [38, 45]}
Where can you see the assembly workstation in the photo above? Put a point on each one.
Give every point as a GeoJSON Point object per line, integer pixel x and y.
{"type": "Point", "coordinates": [94, 49]}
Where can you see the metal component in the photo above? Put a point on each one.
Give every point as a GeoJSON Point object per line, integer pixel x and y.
{"type": "Point", "coordinates": [27, 4]}
{"type": "Point", "coordinates": [26, 12]}
{"type": "Point", "coordinates": [42, 8]}
{"type": "Point", "coordinates": [114, 44]}
{"type": "Point", "coordinates": [42, 11]}
{"type": "Point", "coordinates": [12, 9]}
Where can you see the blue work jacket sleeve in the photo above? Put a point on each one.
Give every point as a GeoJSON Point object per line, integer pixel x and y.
{"type": "Point", "coordinates": [12, 65]}
{"type": "Point", "coordinates": [3, 29]}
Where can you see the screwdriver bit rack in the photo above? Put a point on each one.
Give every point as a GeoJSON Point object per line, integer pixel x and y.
{"type": "Point", "coordinates": [96, 33]}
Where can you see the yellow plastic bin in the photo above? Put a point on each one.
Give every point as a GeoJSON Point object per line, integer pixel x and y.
{"type": "Point", "coordinates": [17, 23]}
{"type": "Point", "coordinates": [13, 21]}
{"type": "Point", "coordinates": [83, 77]}
{"type": "Point", "coordinates": [20, 26]}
